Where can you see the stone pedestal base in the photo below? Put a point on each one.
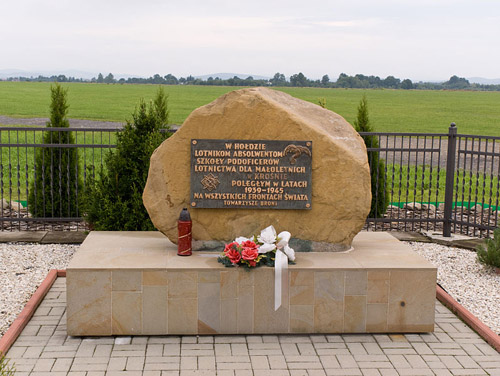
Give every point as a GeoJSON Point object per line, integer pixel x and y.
{"type": "Point", "coordinates": [133, 283]}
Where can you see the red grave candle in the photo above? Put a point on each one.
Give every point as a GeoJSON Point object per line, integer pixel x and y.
{"type": "Point", "coordinates": [184, 225]}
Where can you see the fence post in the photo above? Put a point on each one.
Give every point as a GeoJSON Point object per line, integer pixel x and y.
{"type": "Point", "coordinates": [450, 178]}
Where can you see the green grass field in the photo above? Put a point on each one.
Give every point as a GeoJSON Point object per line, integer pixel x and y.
{"type": "Point", "coordinates": [390, 110]}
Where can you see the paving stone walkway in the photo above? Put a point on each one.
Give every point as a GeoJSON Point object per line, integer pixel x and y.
{"type": "Point", "coordinates": [44, 349]}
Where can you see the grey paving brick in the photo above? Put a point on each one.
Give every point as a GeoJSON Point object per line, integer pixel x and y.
{"type": "Point", "coordinates": [356, 348]}
{"type": "Point", "coordinates": [207, 339]}
{"type": "Point", "coordinates": [399, 361]}
{"type": "Point", "coordinates": [272, 372]}
{"type": "Point", "coordinates": [162, 367]}
{"type": "Point", "coordinates": [43, 365]}
{"type": "Point", "coordinates": [317, 338]}
{"type": "Point", "coordinates": [373, 349]}
{"type": "Point", "coordinates": [135, 364]}
{"type": "Point", "coordinates": [308, 365]}
{"type": "Point", "coordinates": [335, 338]}
{"type": "Point", "coordinates": [189, 362]}
{"type": "Point", "coordinates": [259, 362]}
{"type": "Point", "coordinates": [450, 362]}
{"type": "Point", "coordinates": [416, 361]}
{"type": "Point", "coordinates": [206, 362]}
{"type": "Point", "coordinates": [422, 348]}
{"type": "Point", "coordinates": [329, 361]}
{"type": "Point", "coordinates": [375, 364]}
{"type": "Point", "coordinates": [290, 349]}
{"type": "Point", "coordinates": [254, 339]}
{"type": "Point", "coordinates": [347, 372]}
{"type": "Point", "coordinates": [347, 361]}
{"type": "Point", "coordinates": [389, 372]}
{"type": "Point", "coordinates": [277, 362]}
{"type": "Point", "coordinates": [117, 364]}
{"type": "Point", "coordinates": [371, 358]}
{"type": "Point", "coordinates": [467, 372]}
{"type": "Point", "coordinates": [415, 372]}
{"type": "Point", "coordinates": [333, 352]}
{"type": "Point", "coordinates": [306, 349]}
{"type": "Point", "coordinates": [239, 349]}
{"type": "Point", "coordinates": [294, 338]}
{"type": "Point", "coordinates": [233, 359]}
{"type": "Point", "coordinates": [234, 366]}
{"type": "Point", "coordinates": [370, 372]}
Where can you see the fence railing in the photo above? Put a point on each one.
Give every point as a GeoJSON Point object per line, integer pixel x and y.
{"type": "Point", "coordinates": [446, 182]}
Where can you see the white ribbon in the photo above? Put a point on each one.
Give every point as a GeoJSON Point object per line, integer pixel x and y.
{"type": "Point", "coordinates": [280, 279]}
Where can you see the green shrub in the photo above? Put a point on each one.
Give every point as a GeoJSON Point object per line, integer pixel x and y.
{"type": "Point", "coordinates": [380, 196]}
{"type": "Point", "coordinates": [54, 190]}
{"type": "Point", "coordinates": [6, 369]}
{"type": "Point", "coordinates": [113, 196]}
{"type": "Point", "coordinates": [491, 254]}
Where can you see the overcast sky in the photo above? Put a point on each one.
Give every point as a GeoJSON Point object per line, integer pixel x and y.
{"type": "Point", "coordinates": [420, 40]}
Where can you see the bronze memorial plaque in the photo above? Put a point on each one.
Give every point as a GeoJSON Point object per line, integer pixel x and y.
{"type": "Point", "coordinates": [251, 174]}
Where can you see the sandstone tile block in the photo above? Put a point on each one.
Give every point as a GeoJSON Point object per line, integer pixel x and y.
{"type": "Point", "coordinates": [229, 284]}
{"type": "Point", "coordinates": [267, 320]}
{"type": "Point", "coordinates": [376, 318]}
{"type": "Point", "coordinates": [154, 309]}
{"type": "Point", "coordinates": [356, 282]}
{"type": "Point", "coordinates": [89, 302]}
{"type": "Point", "coordinates": [328, 315]}
{"type": "Point", "coordinates": [182, 315]}
{"type": "Point", "coordinates": [209, 302]}
{"type": "Point", "coordinates": [302, 318]}
{"type": "Point", "coordinates": [355, 314]}
{"type": "Point", "coordinates": [154, 278]}
{"type": "Point", "coordinates": [412, 300]}
{"type": "Point", "coordinates": [302, 295]}
{"type": "Point", "coordinates": [126, 280]}
{"type": "Point", "coordinates": [126, 312]}
{"type": "Point", "coordinates": [378, 287]}
{"type": "Point", "coordinates": [182, 285]}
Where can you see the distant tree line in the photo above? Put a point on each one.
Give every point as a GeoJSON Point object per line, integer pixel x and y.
{"type": "Point", "coordinates": [358, 81]}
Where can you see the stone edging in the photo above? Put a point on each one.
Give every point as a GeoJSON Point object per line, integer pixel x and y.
{"type": "Point", "coordinates": [24, 317]}
{"type": "Point", "coordinates": [485, 332]}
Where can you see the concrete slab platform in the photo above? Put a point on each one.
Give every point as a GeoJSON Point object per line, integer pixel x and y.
{"type": "Point", "coordinates": [64, 237]}
{"type": "Point", "coordinates": [134, 283]}
{"type": "Point", "coordinates": [22, 236]}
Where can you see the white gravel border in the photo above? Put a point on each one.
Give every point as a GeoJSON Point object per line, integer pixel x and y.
{"type": "Point", "coordinates": [474, 285]}
{"type": "Point", "coordinates": [23, 267]}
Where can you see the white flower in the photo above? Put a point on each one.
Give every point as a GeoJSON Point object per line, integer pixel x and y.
{"type": "Point", "coordinates": [289, 252]}
{"type": "Point", "coordinates": [241, 239]}
{"type": "Point", "coordinates": [267, 247]}
{"type": "Point", "coordinates": [267, 237]}
{"type": "Point", "coordinates": [284, 238]}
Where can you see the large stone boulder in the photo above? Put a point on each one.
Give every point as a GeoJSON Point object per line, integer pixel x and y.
{"type": "Point", "coordinates": [341, 192]}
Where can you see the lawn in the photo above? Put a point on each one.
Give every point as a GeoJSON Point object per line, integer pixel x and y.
{"type": "Point", "coordinates": [390, 110]}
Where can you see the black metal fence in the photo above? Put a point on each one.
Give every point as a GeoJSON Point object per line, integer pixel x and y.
{"type": "Point", "coordinates": [444, 182]}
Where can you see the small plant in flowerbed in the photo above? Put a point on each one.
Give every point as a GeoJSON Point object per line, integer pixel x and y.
{"type": "Point", "coordinates": [257, 250]}
{"type": "Point", "coordinates": [6, 369]}
{"type": "Point", "coordinates": [490, 255]}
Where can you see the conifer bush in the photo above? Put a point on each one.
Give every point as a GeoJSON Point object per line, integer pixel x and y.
{"type": "Point", "coordinates": [380, 197]}
{"type": "Point", "coordinates": [113, 195]}
{"type": "Point", "coordinates": [6, 369]}
{"type": "Point", "coordinates": [490, 255]}
{"type": "Point", "coordinates": [54, 189]}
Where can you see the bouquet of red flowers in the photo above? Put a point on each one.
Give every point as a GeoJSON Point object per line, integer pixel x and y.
{"type": "Point", "coordinates": [258, 250]}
